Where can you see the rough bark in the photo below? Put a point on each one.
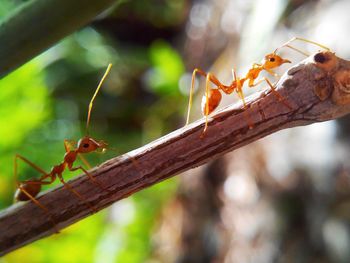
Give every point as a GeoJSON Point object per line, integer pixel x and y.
{"type": "Point", "coordinates": [315, 90]}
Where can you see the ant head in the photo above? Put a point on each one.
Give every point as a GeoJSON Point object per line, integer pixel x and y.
{"type": "Point", "coordinates": [273, 60]}
{"type": "Point", "coordinates": [88, 144]}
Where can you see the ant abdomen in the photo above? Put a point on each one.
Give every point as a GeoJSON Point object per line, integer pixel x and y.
{"type": "Point", "coordinates": [214, 98]}
{"type": "Point", "coordinates": [32, 189]}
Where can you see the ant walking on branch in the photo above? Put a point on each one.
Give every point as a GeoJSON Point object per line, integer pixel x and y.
{"type": "Point", "coordinates": [212, 96]}
{"type": "Point", "coordinates": [29, 189]}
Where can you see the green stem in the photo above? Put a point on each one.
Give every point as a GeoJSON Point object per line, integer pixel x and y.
{"type": "Point", "coordinates": [37, 25]}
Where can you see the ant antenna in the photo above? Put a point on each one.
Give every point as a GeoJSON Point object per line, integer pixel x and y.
{"type": "Point", "coordinates": [287, 44]}
{"type": "Point", "coordinates": [94, 96]}
{"type": "Point", "coordinates": [234, 73]}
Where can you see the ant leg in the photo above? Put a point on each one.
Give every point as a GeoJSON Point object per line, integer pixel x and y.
{"type": "Point", "coordinates": [227, 89]}
{"type": "Point", "coordinates": [274, 91]}
{"type": "Point", "coordinates": [71, 189]}
{"type": "Point", "coordinates": [40, 170]}
{"type": "Point", "coordinates": [85, 162]}
{"type": "Point", "coordinates": [36, 202]}
{"type": "Point", "coordinates": [39, 181]}
{"type": "Point", "coordinates": [68, 145]}
{"type": "Point", "coordinates": [209, 78]}
{"type": "Point", "coordinates": [241, 96]}
{"type": "Point", "coordinates": [32, 198]}
{"type": "Point", "coordinates": [93, 180]}
{"type": "Point", "coordinates": [249, 120]}
{"type": "Point", "coordinates": [206, 110]}
{"type": "Point", "coordinates": [212, 79]}
{"type": "Point", "coordinates": [271, 72]}
{"type": "Point", "coordinates": [213, 101]}
{"type": "Point", "coordinates": [44, 208]}
{"type": "Point", "coordinates": [195, 71]}
{"type": "Point", "coordinates": [287, 44]}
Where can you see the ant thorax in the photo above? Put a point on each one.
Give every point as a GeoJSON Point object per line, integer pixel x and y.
{"type": "Point", "coordinates": [70, 157]}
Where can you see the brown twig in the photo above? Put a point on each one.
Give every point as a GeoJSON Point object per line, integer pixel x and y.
{"type": "Point", "coordinates": [317, 89]}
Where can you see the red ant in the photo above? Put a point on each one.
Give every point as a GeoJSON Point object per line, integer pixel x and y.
{"type": "Point", "coordinates": [29, 189]}
{"type": "Point", "coordinates": [212, 97]}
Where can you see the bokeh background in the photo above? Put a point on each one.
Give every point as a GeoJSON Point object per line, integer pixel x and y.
{"type": "Point", "coordinates": [285, 198]}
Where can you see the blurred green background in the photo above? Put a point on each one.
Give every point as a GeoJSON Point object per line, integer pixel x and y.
{"type": "Point", "coordinates": [46, 101]}
{"type": "Point", "coordinates": [282, 199]}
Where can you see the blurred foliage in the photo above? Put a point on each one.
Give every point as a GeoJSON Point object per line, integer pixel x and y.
{"type": "Point", "coordinates": [167, 66]}
{"type": "Point", "coordinates": [45, 102]}
{"type": "Point", "coordinates": [5, 7]}
{"type": "Point", "coordinates": [156, 13]}
{"type": "Point", "coordinates": [23, 100]}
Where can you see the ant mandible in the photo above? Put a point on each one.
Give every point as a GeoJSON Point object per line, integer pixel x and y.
{"type": "Point", "coordinates": [29, 189]}
{"type": "Point", "coordinates": [212, 97]}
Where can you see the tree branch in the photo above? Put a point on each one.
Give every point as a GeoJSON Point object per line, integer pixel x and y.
{"type": "Point", "coordinates": [317, 89]}
{"type": "Point", "coordinates": [38, 24]}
